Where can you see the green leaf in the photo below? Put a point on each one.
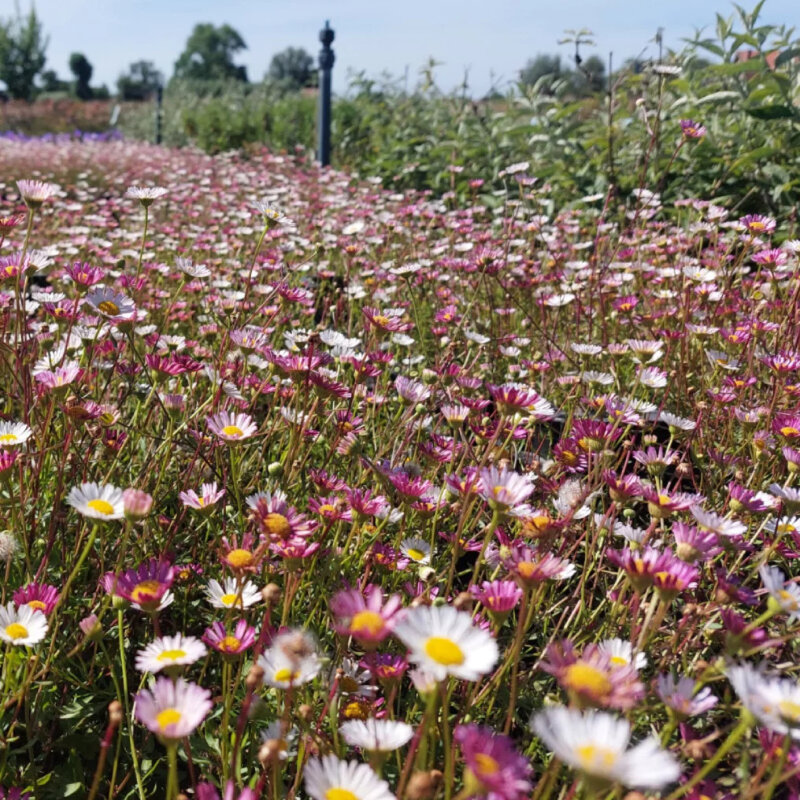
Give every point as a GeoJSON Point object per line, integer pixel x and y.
{"type": "Point", "coordinates": [776, 111]}
{"type": "Point", "coordinates": [715, 97]}
{"type": "Point", "coordinates": [786, 56]}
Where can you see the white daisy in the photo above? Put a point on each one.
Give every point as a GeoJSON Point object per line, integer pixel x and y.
{"type": "Point", "coordinates": [170, 651]}
{"type": "Point", "coordinates": [97, 501]}
{"type": "Point", "coordinates": [23, 625]}
{"type": "Point", "coordinates": [111, 304]}
{"type": "Point", "coordinates": [621, 654]}
{"type": "Point", "coordinates": [775, 702]}
{"type": "Point", "coordinates": [376, 735]}
{"type": "Point", "coordinates": [186, 266]}
{"type": "Point", "coordinates": [596, 742]}
{"type": "Point", "coordinates": [14, 433]}
{"type": "Point", "coordinates": [418, 550]}
{"type": "Point", "coordinates": [231, 594]}
{"type": "Point", "coordinates": [331, 779]}
{"type": "Point", "coordinates": [785, 593]}
{"type": "Point", "coordinates": [283, 670]}
{"type": "Point", "coordinates": [444, 641]}
{"type": "Point", "coordinates": [146, 194]}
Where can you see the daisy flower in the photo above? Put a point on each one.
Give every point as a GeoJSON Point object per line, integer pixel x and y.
{"type": "Point", "coordinates": [679, 695]}
{"type": "Point", "coordinates": [621, 654]}
{"type": "Point", "coordinates": [23, 625]}
{"type": "Point", "coordinates": [418, 550]}
{"type": "Point", "coordinates": [364, 615]}
{"type": "Point", "coordinates": [596, 743]}
{"type": "Point", "coordinates": [230, 644]}
{"type": "Point", "coordinates": [232, 594]}
{"type": "Point", "coordinates": [495, 769]}
{"type": "Point", "coordinates": [232, 427]}
{"type": "Point", "coordinates": [210, 493]}
{"type": "Point", "coordinates": [376, 735]}
{"type": "Point", "coordinates": [146, 194]}
{"type": "Point", "coordinates": [146, 587]}
{"type": "Point", "coordinates": [169, 651]}
{"type": "Point", "coordinates": [774, 702]}
{"type": "Point", "coordinates": [444, 641]}
{"type": "Point", "coordinates": [38, 596]}
{"type": "Point", "coordinates": [172, 710]}
{"type": "Point", "coordinates": [97, 501]}
{"type": "Point", "coordinates": [786, 594]}
{"type": "Point", "coordinates": [34, 193]}
{"type": "Point", "coordinates": [291, 660]}
{"type": "Point", "coordinates": [186, 266]}
{"type": "Point", "coordinates": [329, 778]}
{"type": "Point", "coordinates": [14, 433]}
{"type": "Point", "coordinates": [112, 305]}
{"type": "Point", "coordinates": [505, 491]}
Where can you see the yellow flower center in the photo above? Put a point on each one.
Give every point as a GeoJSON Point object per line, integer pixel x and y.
{"type": "Point", "coordinates": [231, 599]}
{"type": "Point", "coordinates": [618, 661]}
{"type": "Point", "coordinates": [381, 320]}
{"type": "Point", "coordinates": [790, 710]}
{"type": "Point", "coordinates": [277, 525]}
{"type": "Point", "coordinates": [108, 307]}
{"type": "Point", "coordinates": [790, 430]}
{"type": "Point", "coordinates": [444, 651]}
{"type": "Point", "coordinates": [788, 599]}
{"type": "Point", "coordinates": [7, 438]}
{"type": "Point", "coordinates": [234, 431]}
{"type": "Point", "coordinates": [37, 604]}
{"type": "Point", "coordinates": [370, 622]}
{"type": "Point", "coordinates": [101, 507]}
{"type": "Point", "coordinates": [170, 655]}
{"type": "Point", "coordinates": [338, 793]}
{"type": "Point", "coordinates": [167, 717]}
{"type": "Point", "coordinates": [286, 675]}
{"type": "Point", "coordinates": [414, 554]}
{"type": "Point", "coordinates": [592, 756]}
{"type": "Point", "coordinates": [587, 679]}
{"type": "Point", "coordinates": [145, 589]}
{"type": "Point", "coordinates": [526, 569]}
{"type": "Point", "coordinates": [240, 558]}
{"type": "Point", "coordinates": [230, 644]}
{"type": "Point", "coordinates": [756, 225]}
{"type": "Point", "coordinates": [663, 499]}
{"type": "Point", "coordinates": [327, 508]}
{"type": "Point", "coordinates": [486, 765]}
{"type": "Point", "coordinates": [16, 630]}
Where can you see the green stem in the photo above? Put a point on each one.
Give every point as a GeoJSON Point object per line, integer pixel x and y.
{"type": "Point", "coordinates": [722, 751]}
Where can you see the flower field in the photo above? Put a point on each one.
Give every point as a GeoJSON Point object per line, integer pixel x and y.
{"type": "Point", "coordinates": [313, 490]}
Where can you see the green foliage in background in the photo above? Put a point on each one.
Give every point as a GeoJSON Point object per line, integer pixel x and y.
{"type": "Point", "coordinates": [625, 137]}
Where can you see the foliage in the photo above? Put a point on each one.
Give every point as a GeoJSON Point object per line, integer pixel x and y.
{"type": "Point", "coordinates": [22, 54]}
{"type": "Point", "coordinates": [209, 54]}
{"type": "Point", "coordinates": [82, 70]}
{"type": "Point", "coordinates": [292, 68]}
{"type": "Point", "coordinates": [140, 82]}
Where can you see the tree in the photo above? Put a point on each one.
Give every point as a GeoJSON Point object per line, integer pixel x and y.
{"type": "Point", "coordinates": [209, 54]}
{"type": "Point", "coordinates": [536, 68]}
{"type": "Point", "coordinates": [52, 83]}
{"type": "Point", "coordinates": [82, 70]}
{"type": "Point", "coordinates": [22, 54]}
{"type": "Point", "coordinates": [141, 81]}
{"type": "Point", "coordinates": [594, 72]}
{"type": "Point", "coordinates": [293, 68]}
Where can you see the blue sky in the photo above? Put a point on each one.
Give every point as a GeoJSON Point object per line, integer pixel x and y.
{"type": "Point", "coordinates": [492, 40]}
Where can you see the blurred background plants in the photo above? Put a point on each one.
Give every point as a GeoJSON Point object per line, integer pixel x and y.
{"type": "Point", "coordinates": [583, 128]}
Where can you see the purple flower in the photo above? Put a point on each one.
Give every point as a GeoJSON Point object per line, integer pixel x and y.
{"type": "Point", "coordinates": [495, 769]}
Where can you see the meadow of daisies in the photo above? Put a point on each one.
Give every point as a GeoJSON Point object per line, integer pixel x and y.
{"type": "Point", "coordinates": [312, 490]}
